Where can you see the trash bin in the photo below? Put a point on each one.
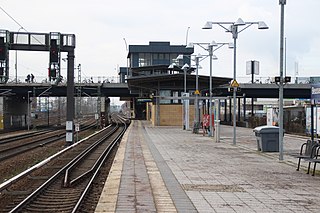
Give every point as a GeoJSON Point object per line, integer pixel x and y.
{"type": "Point", "coordinates": [267, 138]}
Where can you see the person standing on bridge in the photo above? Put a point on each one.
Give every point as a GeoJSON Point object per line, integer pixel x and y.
{"type": "Point", "coordinates": [28, 78]}
{"type": "Point", "coordinates": [32, 78]}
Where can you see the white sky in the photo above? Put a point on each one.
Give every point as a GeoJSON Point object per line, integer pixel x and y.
{"type": "Point", "coordinates": [100, 27]}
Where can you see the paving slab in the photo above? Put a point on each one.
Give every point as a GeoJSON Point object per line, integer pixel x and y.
{"type": "Point", "coordinates": [186, 172]}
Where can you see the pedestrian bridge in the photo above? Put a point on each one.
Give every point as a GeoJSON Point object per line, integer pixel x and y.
{"type": "Point", "coordinates": [60, 90]}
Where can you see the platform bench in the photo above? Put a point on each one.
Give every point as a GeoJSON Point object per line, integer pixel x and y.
{"type": "Point", "coordinates": [308, 152]}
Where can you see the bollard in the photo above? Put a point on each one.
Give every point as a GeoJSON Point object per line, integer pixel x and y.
{"type": "Point", "coordinates": [217, 130]}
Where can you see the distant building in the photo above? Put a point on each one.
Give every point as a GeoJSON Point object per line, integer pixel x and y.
{"type": "Point", "coordinates": [155, 71]}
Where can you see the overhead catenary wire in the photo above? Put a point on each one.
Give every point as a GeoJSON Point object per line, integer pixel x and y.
{"type": "Point", "coordinates": [13, 19]}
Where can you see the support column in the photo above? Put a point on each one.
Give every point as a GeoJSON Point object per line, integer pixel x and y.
{"type": "Point", "coordinates": [239, 112]}
{"type": "Point", "coordinates": [244, 108]}
{"type": "Point", "coordinates": [225, 109]}
{"type": "Point", "coordinates": [70, 99]}
{"type": "Point", "coordinates": [230, 109]}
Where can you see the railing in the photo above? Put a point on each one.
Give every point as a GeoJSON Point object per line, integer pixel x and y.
{"type": "Point", "coordinates": [269, 80]}
{"type": "Point", "coordinates": [85, 80]}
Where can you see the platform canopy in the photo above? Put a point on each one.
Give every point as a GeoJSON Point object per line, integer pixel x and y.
{"type": "Point", "coordinates": [160, 77]}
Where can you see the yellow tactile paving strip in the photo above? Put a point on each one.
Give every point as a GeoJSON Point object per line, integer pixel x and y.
{"type": "Point", "coordinates": [163, 200]}
{"type": "Point", "coordinates": [109, 197]}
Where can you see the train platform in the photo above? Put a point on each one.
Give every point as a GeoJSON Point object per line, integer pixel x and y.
{"type": "Point", "coordinates": [167, 169]}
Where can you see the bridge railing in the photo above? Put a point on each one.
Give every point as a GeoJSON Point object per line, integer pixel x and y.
{"type": "Point", "coordinates": [45, 79]}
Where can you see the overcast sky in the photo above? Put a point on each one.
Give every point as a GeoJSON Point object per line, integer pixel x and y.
{"type": "Point", "coordinates": [101, 26]}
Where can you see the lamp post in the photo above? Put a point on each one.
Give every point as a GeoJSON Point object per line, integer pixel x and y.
{"type": "Point", "coordinates": [197, 60]}
{"type": "Point", "coordinates": [197, 117]}
{"type": "Point", "coordinates": [282, 3]}
{"type": "Point", "coordinates": [185, 117]}
{"type": "Point", "coordinates": [185, 67]}
{"type": "Point", "coordinates": [208, 47]}
{"type": "Point", "coordinates": [234, 30]}
{"type": "Point", "coordinates": [28, 109]}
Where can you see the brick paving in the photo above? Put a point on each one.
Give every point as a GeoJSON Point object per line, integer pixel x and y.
{"type": "Point", "coordinates": [167, 169]}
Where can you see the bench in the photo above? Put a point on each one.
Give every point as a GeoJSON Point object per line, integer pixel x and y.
{"type": "Point", "coordinates": [196, 127]}
{"type": "Point", "coordinates": [308, 152]}
{"type": "Point", "coordinates": [314, 159]}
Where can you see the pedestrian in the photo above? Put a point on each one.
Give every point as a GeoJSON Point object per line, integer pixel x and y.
{"type": "Point", "coordinates": [32, 78]}
{"type": "Point", "coordinates": [28, 78]}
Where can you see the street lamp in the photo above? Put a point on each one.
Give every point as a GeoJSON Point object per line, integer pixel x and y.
{"type": "Point", "coordinates": [208, 47]}
{"type": "Point", "coordinates": [282, 3]}
{"type": "Point", "coordinates": [234, 30]}
{"type": "Point", "coordinates": [185, 67]}
{"type": "Point", "coordinates": [197, 117]}
{"type": "Point", "coordinates": [197, 60]}
{"type": "Point", "coordinates": [28, 116]}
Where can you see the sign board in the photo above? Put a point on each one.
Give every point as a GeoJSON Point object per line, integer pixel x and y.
{"type": "Point", "coordinates": [252, 67]}
{"type": "Point", "coordinates": [272, 116]}
{"type": "Point", "coordinates": [77, 127]}
{"type": "Point", "coordinates": [69, 125]}
{"type": "Point", "coordinates": [206, 120]}
{"type": "Point", "coordinates": [103, 104]}
{"type": "Point", "coordinates": [234, 83]}
{"type": "Point", "coordinates": [197, 92]}
{"type": "Point", "coordinates": [315, 93]}
{"type": "Point", "coordinates": [69, 136]}
{"type": "Point", "coordinates": [144, 99]}
{"type": "Point", "coordinates": [96, 116]}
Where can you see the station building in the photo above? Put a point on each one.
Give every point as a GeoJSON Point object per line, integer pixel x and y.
{"type": "Point", "coordinates": [156, 75]}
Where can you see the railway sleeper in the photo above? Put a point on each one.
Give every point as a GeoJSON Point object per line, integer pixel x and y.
{"type": "Point", "coordinates": [38, 177]}
{"type": "Point", "coordinates": [16, 192]}
{"type": "Point", "coordinates": [52, 209]}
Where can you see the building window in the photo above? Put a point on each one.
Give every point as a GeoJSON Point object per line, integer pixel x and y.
{"type": "Point", "coordinates": [144, 59]}
{"type": "Point", "coordinates": [175, 94]}
{"type": "Point", "coordinates": [165, 93]}
{"type": "Point", "coordinates": [173, 57]}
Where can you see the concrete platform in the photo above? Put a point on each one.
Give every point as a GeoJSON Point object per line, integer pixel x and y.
{"type": "Point", "coordinates": [167, 169]}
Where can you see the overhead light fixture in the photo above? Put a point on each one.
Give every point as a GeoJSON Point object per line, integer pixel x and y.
{"type": "Point", "coordinates": [190, 45]}
{"type": "Point", "coordinates": [239, 22]}
{"type": "Point", "coordinates": [262, 25]}
{"type": "Point", "coordinates": [171, 66]}
{"type": "Point", "coordinates": [199, 55]}
{"type": "Point", "coordinates": [185, 66]}
{"type": "Point", "coordinates": [213, 43]}
{"type": "Point", "coordinates": [180, 57]}
{"type": "Point", "coordinates": [214, 57]}
{"type": "Point", "coordinates": [208, 25]}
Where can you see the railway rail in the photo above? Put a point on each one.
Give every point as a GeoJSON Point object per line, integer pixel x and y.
{"type": "Point", "coordinates": [10, 147]}
{"type": "Point", "coordinates": [64, 182]}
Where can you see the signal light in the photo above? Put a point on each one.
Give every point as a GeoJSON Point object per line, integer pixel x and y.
{"type": "Point", "coordinates": [54, 52]}
{"type": "Point", "coordinates": [3, 53]}
{"type": "Point", "coordinates": [52, 73]}
{"type": "Point", "coordinates": [3, 49]}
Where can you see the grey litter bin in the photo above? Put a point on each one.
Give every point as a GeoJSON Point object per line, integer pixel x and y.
{"type": "Point", "coordinates": [267, 138]}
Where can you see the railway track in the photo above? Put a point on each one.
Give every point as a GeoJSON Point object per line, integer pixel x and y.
{"type": "Point", "coordinates": [63, 184]}
{"type": "Point", "coordinates": [11, 147]}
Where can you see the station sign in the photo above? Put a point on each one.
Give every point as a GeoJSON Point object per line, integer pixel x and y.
{"type": "Point", "coordinates": [144, 100]}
